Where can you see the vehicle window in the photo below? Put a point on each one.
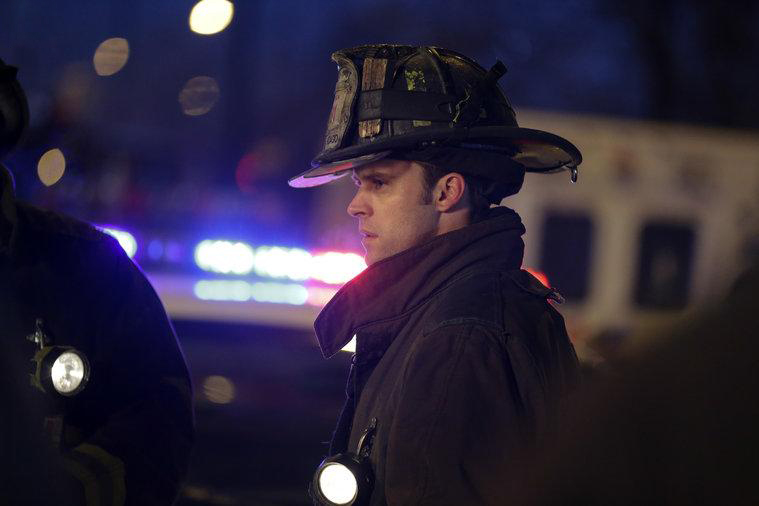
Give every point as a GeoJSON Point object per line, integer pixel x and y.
{"type": "Point", "coordinates": [665, 262]}
{"type": "Point", "coordinates": [566, 252]}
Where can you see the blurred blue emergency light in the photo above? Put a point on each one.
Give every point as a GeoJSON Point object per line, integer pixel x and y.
{"type": "Point", "coordinates": [224, 257]}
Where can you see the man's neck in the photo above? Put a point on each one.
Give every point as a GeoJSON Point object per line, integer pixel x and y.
{"type": "Point", "coordinates": [452, 220]}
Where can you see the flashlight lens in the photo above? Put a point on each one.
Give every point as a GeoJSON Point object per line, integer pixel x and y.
{"type": "Point", "coordinates": [67, 372]}
{"type": "Point", "coordinates": [338, 484]}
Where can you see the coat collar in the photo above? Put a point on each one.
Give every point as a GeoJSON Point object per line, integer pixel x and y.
{"type": "Point", "coordinates": [401, 282]}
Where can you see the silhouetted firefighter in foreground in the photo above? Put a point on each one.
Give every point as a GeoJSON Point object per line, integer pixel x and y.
{"type": "Point", "coordinates": [96, 392]}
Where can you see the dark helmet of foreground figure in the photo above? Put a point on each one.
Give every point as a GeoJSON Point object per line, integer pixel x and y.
{"type": "Point", "coordinates": [432, 105]}
{"type": "Point", "coordinates": [14, 111]}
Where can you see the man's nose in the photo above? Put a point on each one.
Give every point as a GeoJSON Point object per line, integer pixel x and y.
{"type": "Point", "coordinates": [358, 206]}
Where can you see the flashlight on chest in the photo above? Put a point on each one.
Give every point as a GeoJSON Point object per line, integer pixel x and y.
{"type": "Point", "coordinates": [61, 369]}
{"type": "Point", "coordinates": [346, 478]}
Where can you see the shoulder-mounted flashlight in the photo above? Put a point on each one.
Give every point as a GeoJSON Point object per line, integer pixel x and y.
{"type": "Point", "coordinates": [346, 478]}
{"type": "Point", "coordinates": [61, 369]}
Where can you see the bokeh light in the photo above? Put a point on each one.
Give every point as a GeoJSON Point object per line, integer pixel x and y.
{"type": "Point", "coordinates": [247, 172]}
{"type": "Point", "coordinates": [219, 389]}
{"type": "Point", "coordinates": [319, 296]}
{"type": "Point", "coordinates": [239, 258]}
{"type": "Point", "coordinates": [540, 275]}
{"type": "Point", "coordinates": [277, 262]}
{"type": "Point", "coordinates": [242, 291]}
{"type": "Point", "coordinates": [199, 95]}
{"type": "Point", "coordinates": [335, 268]}
{"type": "Point", "coordinates": [222, 289]}
{"type": "Point", "coordinates": [155, 249]}
{"type": "Point", "coordinates": [111, 56]}
{"type": "Point", "coordinates": [211, 16]}
{"type": "Point", "coordinates": [173, 251]}
{"type": "Point", "coordinates": [279, 293]}
{"type": "Point", "coordinates": [51, 167]}
{"type": "Point", "coordinates": [126, 240]}
{"type": "Point", "coordinates": [264, 161]}
{"type": "Point", "coordinates": [224, 257]}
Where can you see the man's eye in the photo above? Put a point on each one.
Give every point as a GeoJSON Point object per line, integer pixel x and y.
{"type": "Point", "coordinates": [378, 183]}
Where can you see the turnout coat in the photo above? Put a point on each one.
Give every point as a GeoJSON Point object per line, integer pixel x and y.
{"type": "Point", "coordinates": [126, 438]}
{"type": "Point", "coordinates": [460, 358]}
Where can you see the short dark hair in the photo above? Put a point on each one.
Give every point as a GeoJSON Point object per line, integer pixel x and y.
{"type": "Point", "coordinates": [476, 190]}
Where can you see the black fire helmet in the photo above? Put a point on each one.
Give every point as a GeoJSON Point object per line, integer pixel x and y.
{"type": "Point", "coordinates": [431, 105]}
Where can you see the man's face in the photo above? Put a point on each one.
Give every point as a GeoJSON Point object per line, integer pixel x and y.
{"type": "Point", "coordinates": [390, 210]}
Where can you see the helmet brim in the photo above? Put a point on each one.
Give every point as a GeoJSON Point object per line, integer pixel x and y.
{"type": "Point", "coordinates": [536, 150]}
{"type": "Point", "coordinates": [329, 171]}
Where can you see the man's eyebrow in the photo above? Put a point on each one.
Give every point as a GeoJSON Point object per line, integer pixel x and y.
{"type": "Point", "coordinates": [373, 173]}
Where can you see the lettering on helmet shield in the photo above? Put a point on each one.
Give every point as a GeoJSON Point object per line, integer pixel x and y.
{"type": "Point", "coordinates": [373, 78]}
{"type": "Point", "coordinates": [342, 106]}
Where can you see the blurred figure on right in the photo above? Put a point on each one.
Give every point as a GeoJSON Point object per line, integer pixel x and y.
{"type": "Point", "coordinates": [676, 424]}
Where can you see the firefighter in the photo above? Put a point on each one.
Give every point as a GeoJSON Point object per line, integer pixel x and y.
{"type": "Point", "coordinates": [461, 359]}
{"type": "Point", "coordinates": [100, 406]}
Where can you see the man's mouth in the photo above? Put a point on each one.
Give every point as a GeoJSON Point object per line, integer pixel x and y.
{"type": "Point", "coordinates": [367, 234]}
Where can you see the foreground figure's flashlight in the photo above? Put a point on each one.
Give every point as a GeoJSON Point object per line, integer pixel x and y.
{"type": "Point", "coordinates": [69, 372]}
{"type": "Point", "coordinates": [61, 369]}
{"type": "Point", "coordinates": [346, 478]}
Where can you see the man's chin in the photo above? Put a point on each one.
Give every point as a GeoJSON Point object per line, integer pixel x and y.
{"type": "Point", "coordinates": [372, 257]}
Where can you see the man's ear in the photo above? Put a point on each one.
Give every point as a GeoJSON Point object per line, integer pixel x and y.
{"type": "Point", "coordinates": [449, 192]}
